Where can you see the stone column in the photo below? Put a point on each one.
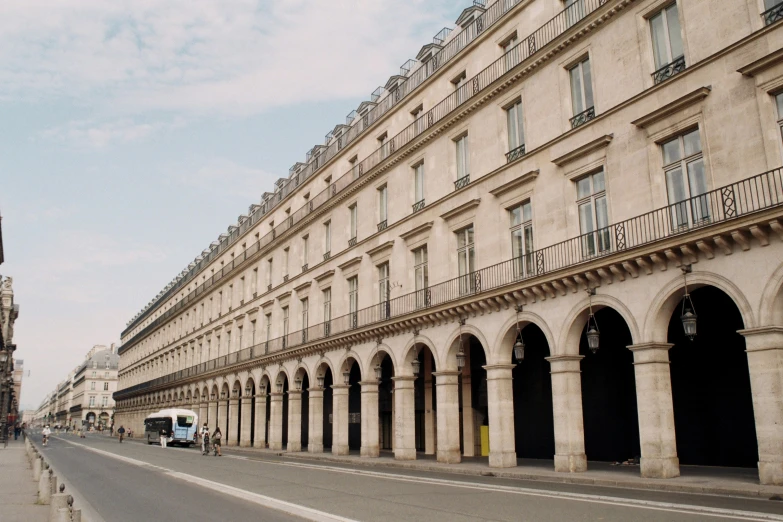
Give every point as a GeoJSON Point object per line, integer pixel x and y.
{"type": "Point", "coordinates": [468, 418]}
{"type": "Point", "coordinates": [315, 443]}
{"type": "Point", "coordinates": [404, 418]}
{"type": "Point", "coordinates": [567, 404]}
{"type": "Point", "coordinates": [212, 416]}
{"type": "Point", "coordinates": [276, 422]}
{"type": "Point", "coordinates": [202, 414]}
{"type": "Point", "coordinates": [294, 420]}
{"type": "Point", "coordinates": [260, 439]}
{"type": "Point", "coordinates": [448, 416]}
{"type": "Point", "coordinates": [429, 410]}
{"type": "Point", "coordinates": [500, 398]}
{"type": "Point", "coordinates": [247, 422]}
{"type": "Point", "coordinates": [233, 421]}
{"type": "Point", "coordinates": [370, 444]}
{"type": "Point", "coordinates": [764, 346]}
{"type": "Point", "coordinates": [223, 419]}
{"type": "Point", "coordinates": [656, 410]}
{"type": "Point", "coordinates": [340, 419]}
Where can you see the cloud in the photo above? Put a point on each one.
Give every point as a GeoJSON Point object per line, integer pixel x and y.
{"type": "Point", "coordinates": [221, 175]}
{"type": "Point", "coordinates": [102, 134]}
{"type": "Point", "coordinates": [233, 57]}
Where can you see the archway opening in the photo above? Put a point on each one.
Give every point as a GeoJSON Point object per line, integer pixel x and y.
{"type": "Point", "coordinates": [282, 377]}
{"type": "Point", "coordinates": [711, 395]}
{"type": "Point", "coordinates": [425, 400]}
{"type": "Point", "coordinates": [267, 386]}
{"type": "Point", "coordinates": [250, 387]}
{"type": "Point", "coordinates": [611, 422]}
{"type": "Point", "coordinates": [305, 433]}
{"type": "Point", "coordinates": [473, 406]}
{"type": "Point", "coordinates": [386, 403]}
{"type": "Point", "coordinates": [236, 394]}
{"type": "Point", "coordinates": [328, 409]}
{"type": "Point", "coordinates": [534, 427]}
{"type": "Point", "coordinates": [355, 407]}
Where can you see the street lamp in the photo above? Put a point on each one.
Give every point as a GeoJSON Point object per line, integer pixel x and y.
{"type": "Point", "coordinates": [320, 380]}
{"type": "Point", "coordinates": [3, 357]}
{"type": "Point", "coordinates": [688, 316]}
{"type": "Point", "coordinates": [415, 364]}
{"type": "Point", "coordinates": [519, 345]}
{"type": "Point", "coordinates": [235, 392]}
{"type": "Point", "coordinates": [248, 389]}
{"type": "Point", "coordinates": [592, 333]}
{"type": "Point", "coordinates": [262, 388]}
{"type": "Point", "coordinates": [223, 394]}
{"type": "Point", "coordinates": [346, 377]}
{"type": "Point", "coordinates": [298, 383]}
{"type": "Point", "coordinates": [279, 387]}
{"type": "Point", "coordinates": [461, 352]}
{"type": "Point", "coordinates": [212, 396]}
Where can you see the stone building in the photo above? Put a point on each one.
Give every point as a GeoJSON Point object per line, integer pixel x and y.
{"type": "Point", "coordinates": [94, 383]}
{"type": "Point", "coordinates": [598, 185]}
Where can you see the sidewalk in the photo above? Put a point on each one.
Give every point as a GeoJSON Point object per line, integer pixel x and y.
{"type": "Point", "coordinates": [737, 482]}
{"type": "Point", "coordinates": [18, 490]}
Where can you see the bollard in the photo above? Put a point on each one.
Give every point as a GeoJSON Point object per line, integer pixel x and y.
{"type": "Point", "coordinates": [63, 515]}
{"type": "Point", "coordinates": [76, 515]}
{"type": "Point", "coordinates": [59, 501]}
{"type": "Point", "coordinates": [37, 468]}
{"type": "Point", "coordinates": [45, 488]}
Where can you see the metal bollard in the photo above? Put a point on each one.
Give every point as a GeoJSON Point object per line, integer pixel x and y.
{"type": "Point", "coordinates": [37, 468]}
{"type": "Point", "coordinates": [59, 501]}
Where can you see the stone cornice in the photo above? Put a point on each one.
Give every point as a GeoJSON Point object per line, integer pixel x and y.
{"type": "Point", "coordinates": [380, 250]}
{"type": "Point", "coordinates": [319, 278]}
{"type": "Point", "coordinates": [762, 64]}
{"type": "Point", "coordinates": [284, 296]}
{"type": "Point", "coordinates": [527, 177]}
{"type": "Point", "coordinates": [423, 228]}
{"type": "Point", "coordinates": [304, 286]}
{"type": "Point", "coordinates": [348, 264]}
{"type": "Point", "coordinates": [677, 105]}
{"type": "Point", "coordinates": [461, 210]}
{"type": "Point", "coordinates": [584, 150]}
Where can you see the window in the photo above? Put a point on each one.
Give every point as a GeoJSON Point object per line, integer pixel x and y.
{"type": "Point", "coordinates": [779, 104]}
{"type": "Point", "coordinates": [459, 81]}
{"type": "Point", "coordinates": [354, 217]}
{"type": "Point", "coordinates": [522, 239]}
{"type": "Point", "coordinates": [105, 402]}
{"type": "Point", "coordinates": [463, 170]}
{"type": "Point", "coordinates": [581, 90]}
{"type": "Point", "coordinates": [253, 282]}
{"type": "Point", "coordinates": [516, 130]}
{"type": "Point", "coordinates": [683, 164]}
{"type": "Point", "coordinates": [305, 310]}
{"type": "Point", "coordinates": [92, 402]}
{"type": "Point", "coordinates": [239, 338]}
{"type": "Point", "coordinates": [327, 239]}
{"type": "Point", "coordinates": [353, 299]}
{"type": "Point", "coordinates": [383, 289]}
{"type": "Point", "coordinates": [242, 290]}
{"type": "Point", "coordinates": [667, 43]}
{"type": "Point", "coordinates": [93, 374]}
{"type": "Point", "coordinates": [773, 11]}
{"type": "Point", "coordinates": [269, 267]}
{"type": "Point", "coordinates": [384, 144]}
{"type": "Point", "coordinates": [106, 375]}
{"type": "Point", "coordinates": [575, 11]}
{"type": "Point", "coordinates": [252, 333]}
{"type": "Point", "coordinates": [509, 51]}
{"type": "Point", "coordinates": [285, 264]}
{"type": "Point", "coordinates": [466, 260]}
{"type": "Point", "coordinates": [305, 252]}
{"type": "Point", "coordinates": [92, 386]}
{"type": "Point", "coordinates": [421, 276]}
{"type": "Point", "coordinates": [228, 341]}
{"type": "Point", "coordinates": [418, 186]}
{"type": "Point", "coordinates": [354, 166]}
{"type": "Point", "coordinates": [382, 207]}
{"type": "Point", "coordinates": [419, 123]}
{"type": "Point", "coordinates": [105, 386]}
{"type": "Point", "coordinates": [327, 295]}
{"type": "Point", "coordinates": [593, 218]}
{"type": "Point", "coordinates": [268, 330]}
{"type": "Point", "coordinates": [285, 327]}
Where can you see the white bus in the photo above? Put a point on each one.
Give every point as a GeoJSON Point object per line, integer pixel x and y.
{"type": "Point", "coordinates": [179, 425]}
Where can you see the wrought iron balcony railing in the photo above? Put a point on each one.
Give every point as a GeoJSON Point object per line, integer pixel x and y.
{"type": "Point", "coordinates": [515, 154]}
{"type": "Point", "coordinates": [304, 267]}
{"type": "Point", "coordinates": [382, 225]}
{"type": "Point", "coordinates": [750, 195]}
{"type": "Point", "coordinates": [526, 48]}
{"type": "Point", "coordinates": [464, 181]}
{"type": "Point", "coordinates": [418, 206]}
{"type": "Point", "coordinates": [583, 117]}
{"type": "Point", "coordinates": [669, 70]}
{"type": "Point", "coordinates": [352, 242]}
{"type": "Point", "coordinates": [773, 14]}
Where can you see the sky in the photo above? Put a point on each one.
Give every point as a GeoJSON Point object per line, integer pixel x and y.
{"type": "Point", "coordinates": [133, 132]}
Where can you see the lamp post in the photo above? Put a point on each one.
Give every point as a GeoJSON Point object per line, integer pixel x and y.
{"type": "Point", "coordinates": [688, 316]}
{"type": "Point", "coordinates": [592, 333]}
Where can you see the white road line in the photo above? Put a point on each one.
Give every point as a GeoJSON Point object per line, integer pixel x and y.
{"type": "Point", "coordinates": [261, 500]}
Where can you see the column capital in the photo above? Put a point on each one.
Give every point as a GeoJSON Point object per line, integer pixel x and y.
{"type": "Point", "coordinates": [650, 353]}
{"type": "Point", "coordinates": [565, 363]}
{"type": "Point", "coordinates": [404, 378]}
{"type": "Point", "coordinates": [340, 386]}
{"type": "Point", "coordinates": [446, 373]}
{"type": "Point", "coordinates": [499, 371]}
{"type": "Point", "coordinates": [649, 346]}
{"type": "Point", "coordinates": [295, 393]}
{"type": "Point", "coordinates": [367, 384]}
{"type": "Point", "coordinates": [446, 378]}
{"type": "Point", "coordinates": [316, 392]}
{"type": "Point", "coordinates": [233, 401]}
{"type": "Point", "coordinates": [763, 338]}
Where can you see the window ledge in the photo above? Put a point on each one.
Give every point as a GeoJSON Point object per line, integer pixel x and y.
{"type": "Point", "coordinates": [584, 150]}
{"type": "Point", "coordinates": [514, 183]}
{"type": "Point", "coordinates": [680, 103]}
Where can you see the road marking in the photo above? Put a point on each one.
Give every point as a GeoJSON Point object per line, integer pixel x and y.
{"type": "Point", "coordinates": [256, 498]}
{"type": "Point", "coordinates": [560, 495]}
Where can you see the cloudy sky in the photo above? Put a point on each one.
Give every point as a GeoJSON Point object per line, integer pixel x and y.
{"type": "Point", "coordinates": [133, 132]}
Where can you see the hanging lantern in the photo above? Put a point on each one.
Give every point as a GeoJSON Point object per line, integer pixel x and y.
{"type": "Point", "coordinates": [248, 390]}
{"type": "Point", "coordinates": [346, 377]}
{"type": "Point", "coordinates": [416, 366]}
{"type": "Point", "coordinates": [279, 387]}
{"type": "Point", "coordinates": [519, 349]}
{"type": "Point", "coordinates": [262, 388]}
{"type": "Point", "coordinates": [235, 393]}
{"type": "Point", "coordinates": [320, 380]}
{"type": "Point", "coordinates": [212, 396]}
{"type": "Point", "coordinates": [461, 352]}
{"type": "Point", "coordinates": [378, 372]}
{"type": "Point", "coordinates": [688, 316]}
{"type": "Point", "coordinates": [298, 382]}
{"type": "Point", "coordinates": [592, 336]}
{"type": "Point", "coordinates": [223, 395]}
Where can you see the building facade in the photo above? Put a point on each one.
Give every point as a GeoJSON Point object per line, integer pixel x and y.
{"type": "Point", "coordinates": [593, 180]}
{"type": "Point", "coordinates": [10, 368]}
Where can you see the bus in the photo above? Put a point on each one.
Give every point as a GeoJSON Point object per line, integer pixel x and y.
{"type": "Point", "coordinates": [180, 425]}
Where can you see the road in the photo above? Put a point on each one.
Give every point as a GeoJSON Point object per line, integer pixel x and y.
{"type": "Point", "coordinates": [133, 481]}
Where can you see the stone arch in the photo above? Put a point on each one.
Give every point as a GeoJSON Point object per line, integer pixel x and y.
{"type": "Point", "coordinates": [301, 371]}
{"type": "Point", "coordinates": [205, 393]}
{"type": "Point", "coordinates": [321, 365]}
{"type": "Point", "coordinates": [377, 357]}
{"type": "Point", "coordinates": [249, 381]}
{"type": "Point", "coordinates": [576, 319]}
{"type": "Point", "coordinates": [771, 304]}
{"type": "Point", "coordinates": [411, 351]}
{"type": "Point", "coordinates": [215, 394]}
{"type": "Point", "coordinates": [452, 344]}
{"type": "Point", "coordinates": [501, 352]}
{"type": "Point", "coordinates": [344, 363]}
{"type": "Point", "coordinates": [670, 296]}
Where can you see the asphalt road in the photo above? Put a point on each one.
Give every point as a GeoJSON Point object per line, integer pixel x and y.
{"type": "Point", "coordinates": [133, 481]}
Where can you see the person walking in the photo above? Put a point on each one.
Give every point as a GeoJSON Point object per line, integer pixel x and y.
{"type": "Point", "coordinates": [121, 432]}
{"type": "Point", "coordinates": [216, 440]}
{"type": "Point", "coordinates": [204, 434]}
{"type": "Point", "coordinates": [163, 434]}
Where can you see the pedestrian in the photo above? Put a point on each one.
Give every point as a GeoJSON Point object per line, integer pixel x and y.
{"type": "Point", "coordinates": [216, 439]}
{"type": "Point", "coordinates": [17, 429]}
{"type": "Point", "coordinates": [204, 438]}
{"type": "Point", "coordinates": [163, 434]}
{"type": "Point", "coordinates": [111, 430]}
{"type": "Point", "coordinates": [121, 432]}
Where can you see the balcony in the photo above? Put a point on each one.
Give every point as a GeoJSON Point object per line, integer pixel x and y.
{"type": "Point", "coordinates": [304, 267]}
{"type": "Point", "coordinates": [515, 154]}
{"type": "Point", "coordinates": [285, 278]}
{"type": "Point", "coordinates": [669, 70]}
{"type": "Point", "coordinates": [745, 197]}
{"type": "Point", "coordinates": [583, 117]}
{"type": "Point", "coordinates": [418, 206]}
{"type": "Point", "coordinates": [352, 242]}
{"type": "Point", "coordinates": [773, 14]}
{"type": "Point", "coordinates": [382, 225]}
{"type": "Point", "coordinates": [462, 182]}
{"type": "Point", "coordinates": [327, 255]}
